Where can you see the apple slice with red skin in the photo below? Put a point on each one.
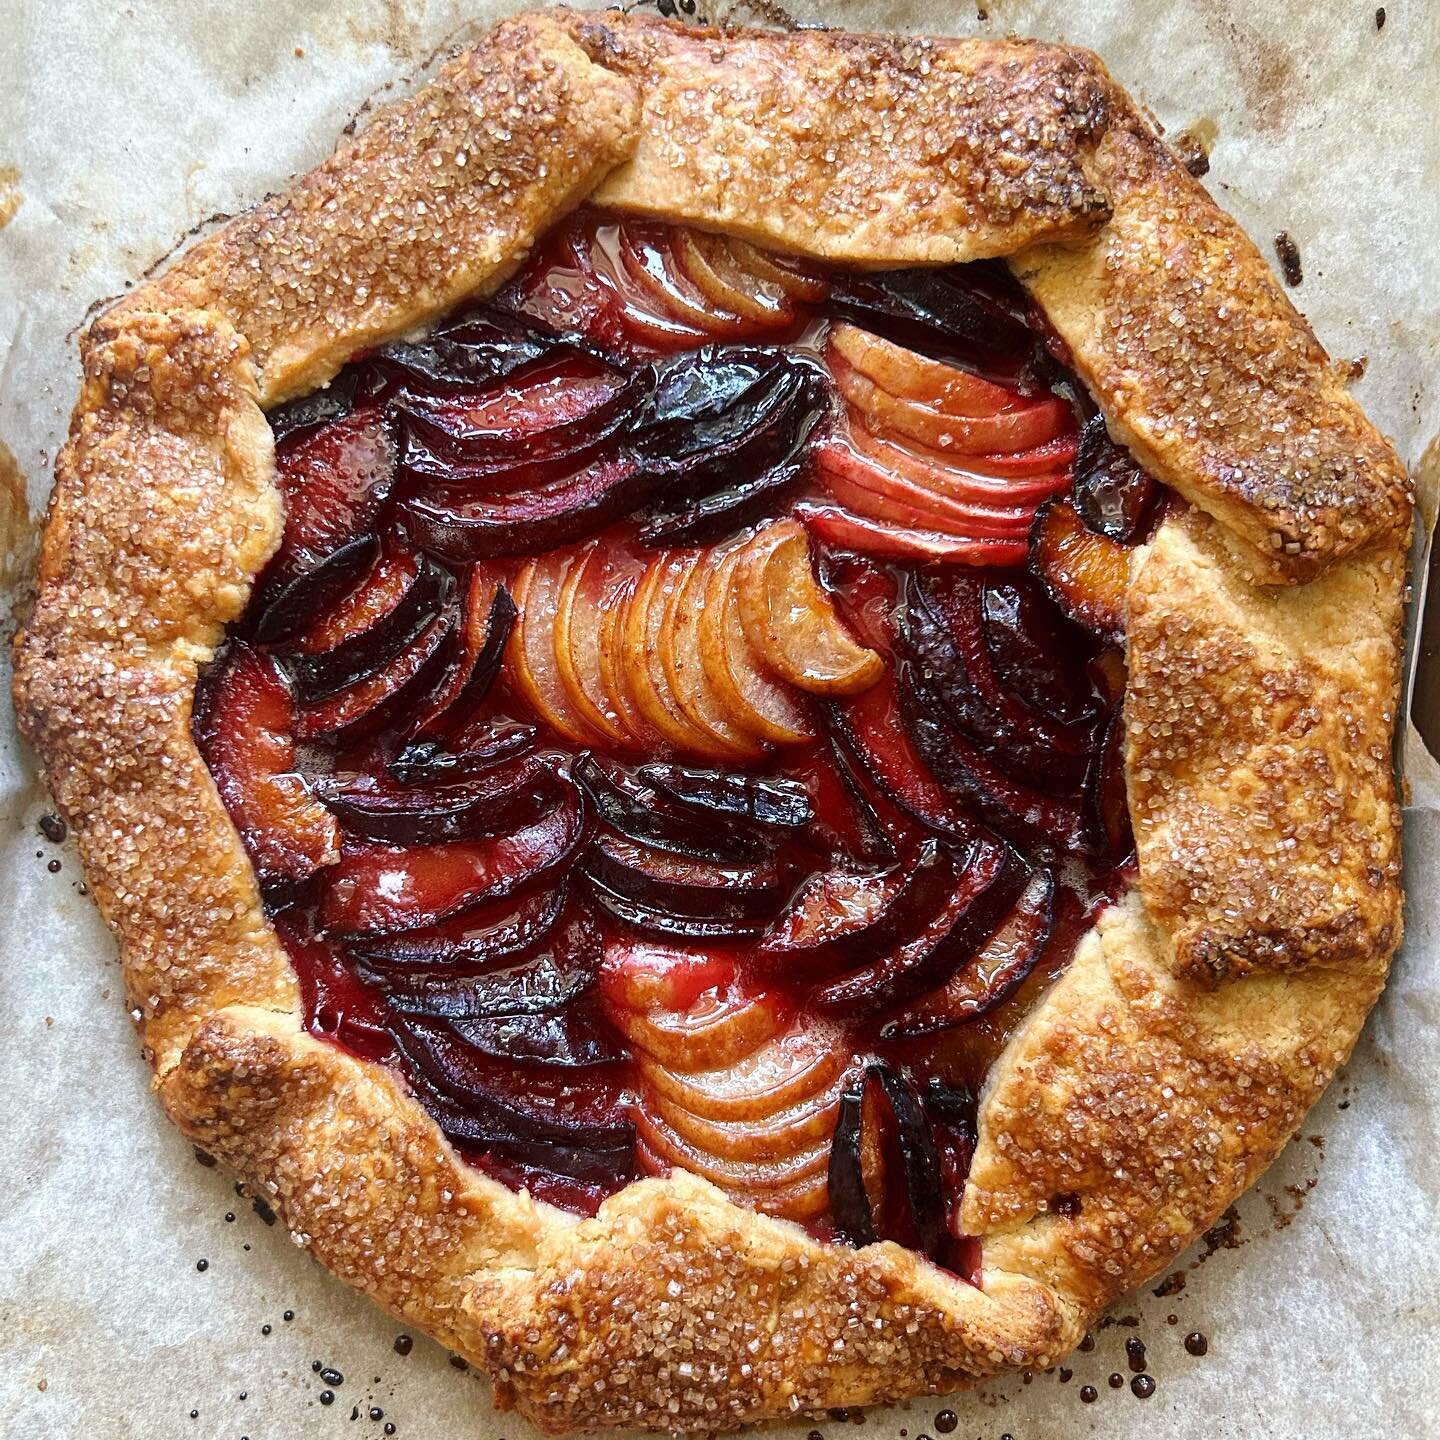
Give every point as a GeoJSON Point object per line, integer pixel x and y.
{"type": "Point", "coordinates": [792, 276]}
{"type": "Point", "coordinates": [1087, 575]}
{"type": "Point", "coordinates": [791, 622]}
{"type": "Point", "coordinates": [866, 490]}
{"type": "Point", "coordinates": [479, 938]}
{"type": "Point", "coordinates": [992, 975]}
{"type": "Point", "coordinates": [334, 481]}
{"type": "Point", "coordinates": [646, 258]}
{"type": "Point", "coordinates": [762, 706]}
{"type": "Point", "coordinates": [970, 891]}
{"type": "Point", "coordinates": [683, 662]}
{"type": "Point", "coordinates": [402, 687]}
{"type": "Point", "coordinates": [906, 475]}
{"type": "Point", "coordinates": [1020, 811]}
{"type": "Point", "coordinates": [1019, 473]}
{"type": "Point", "coordinates": [908, 375]}
{"type": "Point", "coordinates": [834, 525]}
{"type": "Point", "coordinates": [378, 889]}
{"type": "Point", "coordinates": [493, 803]}
{"type": "Point", "coordinates": [1033, 423]}
{"type": "Point", "coordinates": [245, 728]}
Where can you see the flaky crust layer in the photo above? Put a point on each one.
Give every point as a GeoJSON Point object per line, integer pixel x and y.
{"type": "Point", "coordinates": [1200, 1019]}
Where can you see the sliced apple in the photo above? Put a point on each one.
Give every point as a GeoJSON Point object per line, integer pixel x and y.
{"type": "Point", "coordinates": [531, 661]}
{"type": "Point", "coordinates": [908, 375]}
{"type": "Point", "coordinates": [1019, 429]}
{"type": "Point", "coordinates": [758, 703]}
{"type": "Point", "coordinates": [682, 657]}
{"type": "Point", "coordinates": [846, 530]}
{"type": "Point", "coordinates": [1048, 465]}
{"type": "Point", "coordinates": [579, 617]}
{"type": "Point", "coordinates": [644, 665]}
{"type": "Point", "coordinates": [710, 263]}
{"type": "Point", "coordinates": [791, 623]}
{"type": "Point", "coordinates": [789, 274]}
{"type": "Point", "coordinates": [645, 257]}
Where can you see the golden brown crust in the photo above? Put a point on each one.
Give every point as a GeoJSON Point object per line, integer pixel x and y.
{"type": "Point", "coordinates": [1163, 1071]}
{"type": "Point", "coordinates": [1205, 369]}
{"type": "Point", "coordinates": [164, 509]}
{"type": "Point", "coordinates": [868, 149]}
{"type": "Point", "coordinates": [439, 197]}
{"type": "Point", "coordinates": [1259, 730]}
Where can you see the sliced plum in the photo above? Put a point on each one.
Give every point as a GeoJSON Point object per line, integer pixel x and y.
{"type": "Point", "coordinates": [367, 602]}
{"type": "Point", "coordinates": [995, 972]}
{"type": "Point", "coordinates": [568, 1039]}
{"type": "Point", "coordinates": [477, 747]}
{"type": "Point", "coordinates": [492, 803]}
{"type": "Point", "coordinates": [323, 673]}
{"type": "Point", "coordinates": [883, 1129]}
{"type": "Point", "coordinates": [971, 779]}
{"type": "Point", "coordinates": [380, 889]}
{"type": "Point", "coordinates": [952, 669]}
{"type": "Point", "coordinates": [976, 888]}
{"type": "Point", "coordinates": [634, 808]}
{"type": "Point", "coordinates": [1038, 654]}
{"type": "Point", "coordinates": [836, 914]}
{"type": "Point", "coordinates": [245, 727]}
{"type": "Point", "coordinates": [477, 939]}
{"type": "Point", "coordinates": [538, 987]}
{"type": "Point", "coordinates": [310, 412]}
{"type": "Point", "coordinates": [559, 511]}
{"type": "Point", "coordinates": [297, 601]}
{"type": "Point", "coordinates": [334, 481]}
{"type": "Point", "coordinates": [872, 730]}
{"type": "Point", "coordinates": [1086, 574]}
{"type": "Point", "coordinates": [763, 800]}
{"type": "Point", "coordinates": [1113, 494]}
{"type": "Point", "coordinates": [1105, 794]}
{"type": "Point", "coordinates": [846, 823]}
{"type": "Point", "coordinates": [473, 349]}
{"type": "Point", "coordinates": [681, 886]}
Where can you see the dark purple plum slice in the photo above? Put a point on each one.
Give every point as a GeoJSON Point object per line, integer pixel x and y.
{"type": "Point", "coordinates": [477, 749]}
{"type": "Point", "coordinates": [475, 941]}
{"type": "Point", "coordinates": [298, 600]}
{"type": "Point", "coordinates": [636, 810]}
{"type": "Point", "coordinates": [645, 916]}
{"type": "Point", "coordinates": [568, 1039]}
{"type": "Point", "coordinates": [760, 799]}
{"type": "Point", "coordinates": [492, 803]}
{"type": "Point", "coordinates": [357, 658]}
{"type": "Point", "coordinates": [983, 884]}
{"type": "Point", "coordinates": [1114, 496]}
{"type": "Point", "coordinates": [381, 889]}
{"type": "Point", "coordinates": [994, 973]}
{"type": "Point", "coordinates": [1038, 654]}
{"type": "Point", "coordinates": [1105, 795]}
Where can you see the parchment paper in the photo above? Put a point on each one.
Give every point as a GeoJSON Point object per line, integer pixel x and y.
{"type": "Point", "coordinates": [122, 125]}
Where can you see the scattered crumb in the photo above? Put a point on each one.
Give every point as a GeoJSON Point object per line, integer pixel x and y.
{"type": "Point", "coordinates": [1289, 253]}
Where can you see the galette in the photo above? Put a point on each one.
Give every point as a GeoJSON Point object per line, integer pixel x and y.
{"type": "Point", "coordinates": [732, 695]}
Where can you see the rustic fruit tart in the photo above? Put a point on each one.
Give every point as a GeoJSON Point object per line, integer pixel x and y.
{"type": "Point", "coordinates": [731, 692]}
{"type": "Point", "coordinates": [679, 727]}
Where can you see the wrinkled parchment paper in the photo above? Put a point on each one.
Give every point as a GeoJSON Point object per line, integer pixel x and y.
{"type": "Point", "coordinates": [124, 123]}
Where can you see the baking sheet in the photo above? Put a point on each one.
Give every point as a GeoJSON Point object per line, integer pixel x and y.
{"type": "Point", "coordinates": [123, 125]}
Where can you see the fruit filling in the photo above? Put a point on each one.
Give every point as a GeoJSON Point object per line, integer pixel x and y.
{"type": "Point", "coordinates": [679, 729]}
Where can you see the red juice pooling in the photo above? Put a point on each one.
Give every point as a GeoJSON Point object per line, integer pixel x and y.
{"type": "Point", "coordinates": [678, 730]}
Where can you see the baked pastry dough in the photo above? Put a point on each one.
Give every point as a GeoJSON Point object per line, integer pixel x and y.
{"type": "Point", "coordinates": [1200, 1017]}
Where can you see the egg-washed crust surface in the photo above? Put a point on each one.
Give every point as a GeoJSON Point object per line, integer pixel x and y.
{"type": "Point", "coordinates": [1198, 1021]}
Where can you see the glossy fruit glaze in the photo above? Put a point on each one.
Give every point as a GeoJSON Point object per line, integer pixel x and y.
{"type": "Point", "coordinates": [680, 727]}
